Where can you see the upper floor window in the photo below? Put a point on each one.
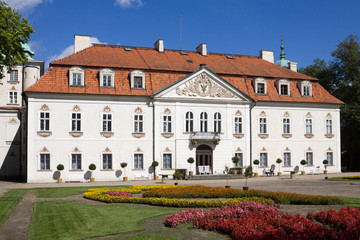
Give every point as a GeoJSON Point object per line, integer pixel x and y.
{"type": "Point", "coordinates": [76, 76]}
{"type": "Point", "coordinates": [167, 124]}
{"type": "Point", "coordinates": [137, 79]}
{"type": "Point", "coordinates": [44, 161]}
{"type": "Point", "coordinates": [44, 121]}
{"type": "Point", "coordinates": [263, 125]}
{"type": "Point", "coordinates": [107, 161]}
{"type": "Point", "coordinates": [13, 97]}
{"type": "Point", "coordinates": [107, 122]}
{"type": "Point", "coordinates": [283, 87]}
{"type": "Point", "coordinates": [76, 122]}
{"type": "Point", "coordinates": [329, 126]}
{"type": "Point", "coordinates": [287, 159]}
{"type": "Point", "coordinates": [107, 78]}
{"type": "Point", "coordinates": [217, 122]}
{"type": "Point", "coordinates": [189, 122]}
{"type": "Point", "coordinates": [308, 126]}
{"type": "Point", "coordinates": [260, 86]}
{"type": "Point", "coordinates": [238, 128]}
{"type": "Point", "coordinates": [203, 122]}
{"type": "Point", "coordinates": [138, 123]}
{"type": "Point", "coordinates": [306, 89]}
{"type": "Point", "coordinates": [286, 126]}
{"type": "Point", "coordinates": [14, 76]}
{"type": "Point", "coordinates": [240, 163]}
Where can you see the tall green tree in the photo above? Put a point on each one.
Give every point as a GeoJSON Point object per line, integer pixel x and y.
{"type": "Point", "coordinates": [14, 31]}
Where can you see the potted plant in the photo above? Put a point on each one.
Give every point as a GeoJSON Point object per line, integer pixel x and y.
{"type": "Point", "coordinates": [155, 164]}
{"type": "Point", "coordinates": [325, 162]}
{"type": "Point", "coordinates": [227, 176]}
{"type": "Point", "coordinates": [59, 167]}
{"type": "Point", "coordinates": [123, 165]}
{"type": "Point", "coordinates": [248, 173]}
{"type": "Point", "coordinates": [303, 162]}
{"type": "Point", "coordinates": [177, 175]}
{"type": "Point", "coordinates": [279, 161]}
{"type": "Point", "coordinates": [92, 167]}
{"type": "Point", "coordinates": [256, 163]}
{"type": "Point", "coordinates": [235, 160]}
{"type": "Point", "coordinates": [191, 161]}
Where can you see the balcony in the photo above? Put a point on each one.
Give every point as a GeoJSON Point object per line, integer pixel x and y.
{"type": "Point", "coordinates": [196, 137]}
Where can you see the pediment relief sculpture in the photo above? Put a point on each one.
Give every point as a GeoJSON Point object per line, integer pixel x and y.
{"type": "Point", "coordinates": [203, 86]}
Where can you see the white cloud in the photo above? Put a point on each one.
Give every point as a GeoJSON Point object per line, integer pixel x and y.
{"type": "Point", "coordinates": [129, 3]}
{"type": "Point", "coordinates": [25, 5]}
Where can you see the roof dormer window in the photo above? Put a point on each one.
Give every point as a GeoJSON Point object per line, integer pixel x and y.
{"type": "Point", "coordinates": [260, 86]}
{"type": "Point", "coordinates": [107, 78]}
{"type": "Point", "coordinates": [76, 76]}
{"type": "Point", "coordinates": [283, 87]}
{"type": "Point", "coordinates": [137, 79]}
{"type": "Point", "coordinates": [306, 89]}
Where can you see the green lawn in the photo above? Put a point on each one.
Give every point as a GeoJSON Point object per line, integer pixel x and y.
{"type": "Point", "coordinates": [8, 202]}
{"type": "Point", "coordinates": [353, 202]}
{"type": "Point", "coordinates": [66, 191]}
{"type": "Point", "coordinates": [68, 220]}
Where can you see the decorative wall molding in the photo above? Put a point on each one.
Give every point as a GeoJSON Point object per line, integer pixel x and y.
{"type": "Point", "coordinates": [138, 150]}
{"type": "Point", "coordinates": [107, 149]}
{"type": "Point", "coordinates": [238, 149]}
{"type": "Point", "coordinates": [76, 108]}
{"type": "Point", "coordinates": [286, 114]}
{"type": "Point", "coordinates": [44, 134]}
{"type": "Point", "coordinates": [107, 109]}
{"type": "Point", "coordinates": [238, 113]}
{"type": "Point", "coordinates": [167, 150]}
{"type": "Point", "coordinates": [308, 115]}
{"type": "Point", "coordinates": [13, 120]}
{"type": "Point", "coordinates": [45, 107]}
{"type": "Point", "coordinates": [167, 111]}
{"type": "Point", "coordinates": [76, 149]}
{"type": "Point", "coordinates": [44, 150]}
{"type": "Point", "coordinates": [138, 110]}
{"type": "Point", "coordinates": [263, 114]}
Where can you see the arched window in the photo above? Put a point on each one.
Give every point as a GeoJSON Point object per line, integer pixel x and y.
{"type": "Point", "coordinates": [189, 122]}
{"type": "Point", "coordinates": [203, 122]}
{"type": "Point", "coordinates": [217, 122]}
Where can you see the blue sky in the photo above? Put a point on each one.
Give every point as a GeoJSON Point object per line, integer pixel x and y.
{"type": "Point", "coordinates": [311, 29]}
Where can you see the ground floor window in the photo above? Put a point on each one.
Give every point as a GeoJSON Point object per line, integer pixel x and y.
{"type": "Point", "coordinates": [263, 159]}
{"type": "Point", "coordinates": [75, 161]}
{"type": "Point", "coordinates": [309, 158]}
{"type": "Point", "coordinates": [107, 161]}
{"type": "Point", "coordinates": [138, 161]}
{"type": "Point", "coordinates": [45, 161]}
{"type": "Point", "coordinates": [167, 161]}
{"type": "Point", "coordinates": [240, 163]}
{"type": "Point", "coordinates": [287, 159]}
{"type": "Point", "coordinates": [330, 158]}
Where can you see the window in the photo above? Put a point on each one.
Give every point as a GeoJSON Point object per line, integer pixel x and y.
{"type": "Point", "coordinates": [263, 159]}
{"type": "Point", "coordinates": [76, 122]}
{"type": "Point", "coordinates": [138, 161]}
{"type": "Point", "coordinates": [167, 124]}
{"type": "Point", "coordinates": [308, 126]}
{"type": "Point", "coordinates": [137, 79]}
{"type": "Point", "coordinates": [217, 122]}
{"type": "Point", "coordinates": [76, 79]}
{"type": "Point", "coordinates": [44, 121]}
{"type": "Point", "coordinates": [203, 122]}
{"type": "Point", "coordinates": [284, 89]}
{"type": "Point", "coordinates": [44, 161]}
{"type": "Point", "coordinates": [76, 76]}
{"type": "Point", "coordinates": [240, 163]}
{"type": "Point", "coordinates": [76, 161]}
{"type": "Point", "coordinates": [260, 88]}
{"type": "Point", "coordinates": [263, 125]}
{"type": "Point", "coordinates": [106, 78]}
{"type": "Point", "coordinates": [107, 161]}
{"type": "Point", "coordinates": [329, 157]}
{"type": "Point", "coordinates": [189, 122]}
{"type": "Point", "coordinates": [329, 127]}
{"type": "Point", "coordinates": [283, 86]}
{"type": "Point", "coordinates": [106, 122]}
{"type": "Point", "coordinates": [167, 161]}
{"type": "Point", "coordinates": [306, 90]}
{"type": "Point", "coordinates": [260, 85]}
{"type": "Point", "coordinates": [286, 125]}
{"type": "Point", "coordinates": [305, 87]}
{"type": "Point", "coordinates": [238, 125]}
{"type": "Point", "coordinates": [138, 123]}
{"type": "Point", "coordinates": [309, 158]}
{"type": "Point", "coordinates": [287, 159]}
{"type": "Point", "coordinates": [13, 97]}
{"type": "Point", "coordinates": [14, 76]}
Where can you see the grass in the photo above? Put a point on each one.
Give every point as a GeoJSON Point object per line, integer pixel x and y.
{"type": "Point", "coordinates": [353, 202]}
{"type": "Point", "coordinates": [68, 220]}
{"type": "Point", "coordinates": [149, 237]}
{"type": "Point", "coordinates": [8, 201]}
{"type": "Point", "coordinates": [67, 191]}
{"type": "Point", "coordinates": [341, 179]}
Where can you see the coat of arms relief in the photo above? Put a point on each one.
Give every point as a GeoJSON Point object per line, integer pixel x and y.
{"type": "Point", "coordinates": [202, 86]}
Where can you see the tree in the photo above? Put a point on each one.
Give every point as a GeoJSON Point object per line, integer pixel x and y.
{"type": "Point", "coordinates": [14, 31]}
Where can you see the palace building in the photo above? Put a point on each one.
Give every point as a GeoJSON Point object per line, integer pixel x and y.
{"type": "Point", "coordinates": [109, 104]}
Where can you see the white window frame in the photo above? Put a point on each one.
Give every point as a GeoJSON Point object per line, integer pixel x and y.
{"type": "Point", "coordinates": [137, 73]}
{"type": "Point", "coordinates": [238, 125]}
{"type": "Point", "coordinates": [12, 77]}
{"type": "Point", "coordinates": [286, 125]}
{"type": "Point", "coordinates": [163, 162]}
{"type": "Point", "coordinates": [107, 73]}
{"type": "Point", "coordinates": [13, 97]}
{"type": "Point", "coordinates": [217, 122]}
{"type": "Point", "coordinates": [204, 122]}
{"type": "Point", "coordinates": [137, 123]}
{"type": "Point", "coordinates": [189, 121]}
{"type": "Point", "coordinates": [309, 126]}
{"type": "Point", "coordinates": [240, 155]}
{"type": "Point", "coordinates": [47, 166]}
{"type": "Point", "coordinates": [261, 160]}
{"type": "Point", "coordinates": [77, 70]}
{"type": "Point", "coordinates": [258, 81]}
{"type": "Point", "coordinates": [330, 163]}
{"type": "Point", "coordinates": [107, 163]}
{"type": "Point", "coordinates": [329, 127]}
{"type": "Point", "coordinates": [107, 120]}
{"type": "Point", "coordinates": [46, 129]}
{"type": "Point", "coordinates": [284, 158]}
{"type": "Point", "coordinates": [137, 167]}
{"type": "Point", "coordinates": [312, 158]}
{"type": "Point", "coordinates": [283, 82]}
{"type": "Point", "coordinates": [167, 123]}
{"type": "Point", "coordinates": [76, 119]}
{"type": "Point", "coordinates": [81, 161]}
{"type": "Point", "coordinates": [303, 85]}
{"type": "Point", "coordinates": [265, 124]}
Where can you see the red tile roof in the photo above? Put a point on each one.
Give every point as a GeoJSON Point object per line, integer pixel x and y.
{"type": "Point", "coordinates": [162, 69]}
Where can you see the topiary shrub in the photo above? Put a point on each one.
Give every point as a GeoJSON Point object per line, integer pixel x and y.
{"type": "Point", "coordinates": [92, 167]}
{"type": "Point", "coordinates": [178, 175]}
{"type": "Point", "coordinates": [123, 164]}
{"type": "Point", "coordinates": [60, 167]}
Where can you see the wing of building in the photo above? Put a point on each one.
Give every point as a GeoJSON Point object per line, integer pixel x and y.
{"type": "Point", "coordinates": [111, 104]}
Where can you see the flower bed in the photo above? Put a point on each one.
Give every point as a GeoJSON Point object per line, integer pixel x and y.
{"type": "Point", "coordinates": [218, 192]}
{"type": "Point", "coordinates": [257, 221]}
{"type": "Point", "coordinates": [357, 177]}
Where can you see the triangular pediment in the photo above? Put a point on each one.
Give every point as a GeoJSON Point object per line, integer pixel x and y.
{"type": "Point", "coordinates": [202, 84]}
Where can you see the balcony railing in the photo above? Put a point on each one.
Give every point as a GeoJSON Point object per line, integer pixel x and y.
{"type": "Point", "coordinates": [195, 137]}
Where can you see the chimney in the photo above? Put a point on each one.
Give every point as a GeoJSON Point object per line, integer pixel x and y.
{"type": "Point", "coordinates": [81, 42]}
{"type": "Point", "coordinates": [293, 66]}
{"type": "Point", "coordinates": [202, 49]}
{"type": "Point", "coordinates": [267, 55]}
{"type": "Point", "coordinates": [159, 45]}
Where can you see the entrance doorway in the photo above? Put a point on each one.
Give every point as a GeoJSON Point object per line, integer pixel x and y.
{"type": "Point", "coordinates": [204, 160]}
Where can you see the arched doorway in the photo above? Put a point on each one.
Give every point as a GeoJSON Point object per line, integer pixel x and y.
{"type": "Point", "coordinates": [204, 160]}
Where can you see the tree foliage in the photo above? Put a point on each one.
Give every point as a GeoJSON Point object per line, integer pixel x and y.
{"type": "Point", "coordinates": [14, 31]}
{"type": "Point", "coordinates": [341, 77]}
